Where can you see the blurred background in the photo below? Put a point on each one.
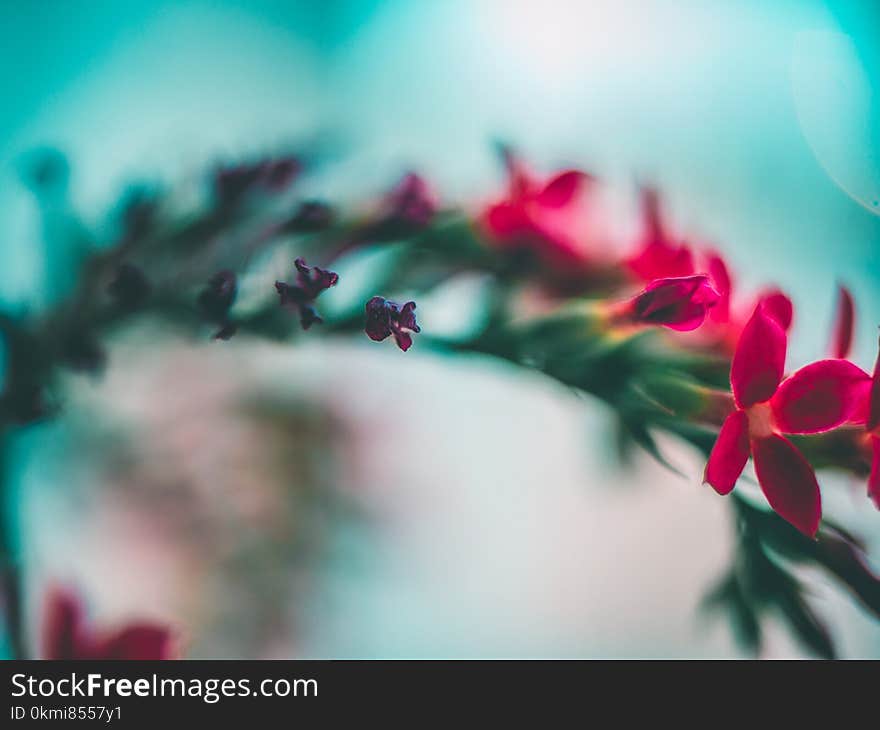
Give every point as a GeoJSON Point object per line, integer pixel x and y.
{"type": "Point", "coordinates": [339, 500]}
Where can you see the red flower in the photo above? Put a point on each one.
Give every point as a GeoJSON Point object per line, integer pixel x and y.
{"type": "Point", "coordinates": [678, 303]}
{"type": "Point", "coordinates": [841, 338]}
{"type": "Point", "coordinates": [539, 215]}
{"type": "Point", "coordinates": [659, 255]}
{"type": "Point", "coordinates": [67, 636]}
{"type": "Point", "coordinates": [817, 398]}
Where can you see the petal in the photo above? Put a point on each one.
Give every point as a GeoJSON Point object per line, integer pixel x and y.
{"type": "Point", "coordinates": [820, 396]}
{"type": "Point", "coordinates": [730, 453]}
{"type": "Point", "coordinates": [136, 641]}
{"type": "Point", "coordinates": [759, 360]}
{"type": "Point", "coordinates": [680, 303]}
{"type": "Point", "coordinates": [62, 627]}
{"type": "Point", "coordinates": [659, 260]}
{"type": "Point", "coordinates": [841, 339]}
{"type": "Point", "coordinates": [873, 422]}
{"type": "Point", "coordinates": [561, 189]}
{"type": "Point", "coordinates": [874, 478]}
{"type": "Point", "coordinates": [788, 482]}
{"type": "Point", "coordinates": [378, 324]}
{"type": "Point", "coordinates": [407, 317]}
{"type": "Point", "coordinates": [505, 220]}
{"type": "Point", "coordinates": [403, 339]}
{"type": "Point", "coordinates": [778, 306]}
{"type": "Point", "coordinates": [720, 275]}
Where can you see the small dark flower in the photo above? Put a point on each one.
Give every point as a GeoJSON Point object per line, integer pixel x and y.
{"type": "Point", "coordinates": [312, 215]}
{"type": "Point", "coordinates": [217, 299]}
{"type": "Point", "coordinates": [406, 209]}
{"type": "Point", "coordinates": [234, 182]}
{"type": "Point", "coordinates": [310, 282]}
{"type": "Point", "coordinates": [130, 287]}
{"type": "Point", "coordinates": [411, 202]}
{"type": "Point", "coordinates": [386, 318]}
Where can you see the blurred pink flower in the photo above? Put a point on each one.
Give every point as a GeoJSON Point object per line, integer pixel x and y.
{"type": "Point", "coordinates": [310, 282]}
{"type": "Point", "coordinates": [66, 635]}
{"type": "Point", "coordinates": [540, 216]}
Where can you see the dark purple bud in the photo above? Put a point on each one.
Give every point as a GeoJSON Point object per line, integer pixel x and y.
{"type": "Point", "coordinates": [217, 299]}
{"type": "Point", "coordinates": [311, 216]}
{"type": "Point", "coordinates": [130, 287]}
{"type": "Point", "coordinates": [313, 280]}
{"type": "Point", "coordinates": [233, 182]}
{"type": "Point", "coordinates": [378, 325]}
{"type": "Point", "coordinates": [310, 282]}
{"type": "Point", "coordinates": [386, 318]}
{"type": "Point", "coordinates": [411, 201]}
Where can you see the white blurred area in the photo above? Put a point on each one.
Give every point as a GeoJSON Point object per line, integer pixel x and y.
{"type": "Point", "coordinates": [483, 513]}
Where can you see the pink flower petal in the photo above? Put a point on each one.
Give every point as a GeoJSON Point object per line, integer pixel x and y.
{"type": "Point", "coordinates": [562, 189]}
{"type": "Point", "coordinates": [873, 420]}
{"type": "Point", "coordinates": [505, 220]}
{"type": "Point", "coordinates": [874, 478]}
{"type": "Point", "coordinates": [759, 360]}
{"type": "Point", "coordinates": [841, 339]}
{"type": "Point", "coordinates": [138, 641]}
{"type": "Point", "coordinates": [730, 453]}
{"type": "Point", "coordinates": [723, 284]}
{"type": "Point", "coordinates": [820, 396]}
{"type": "Point", "coordinates": [62, 634]}
{"type": "Point", "coordinates": [778, 306]}
{"type": "Point", "coordinates": [788, 482]}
